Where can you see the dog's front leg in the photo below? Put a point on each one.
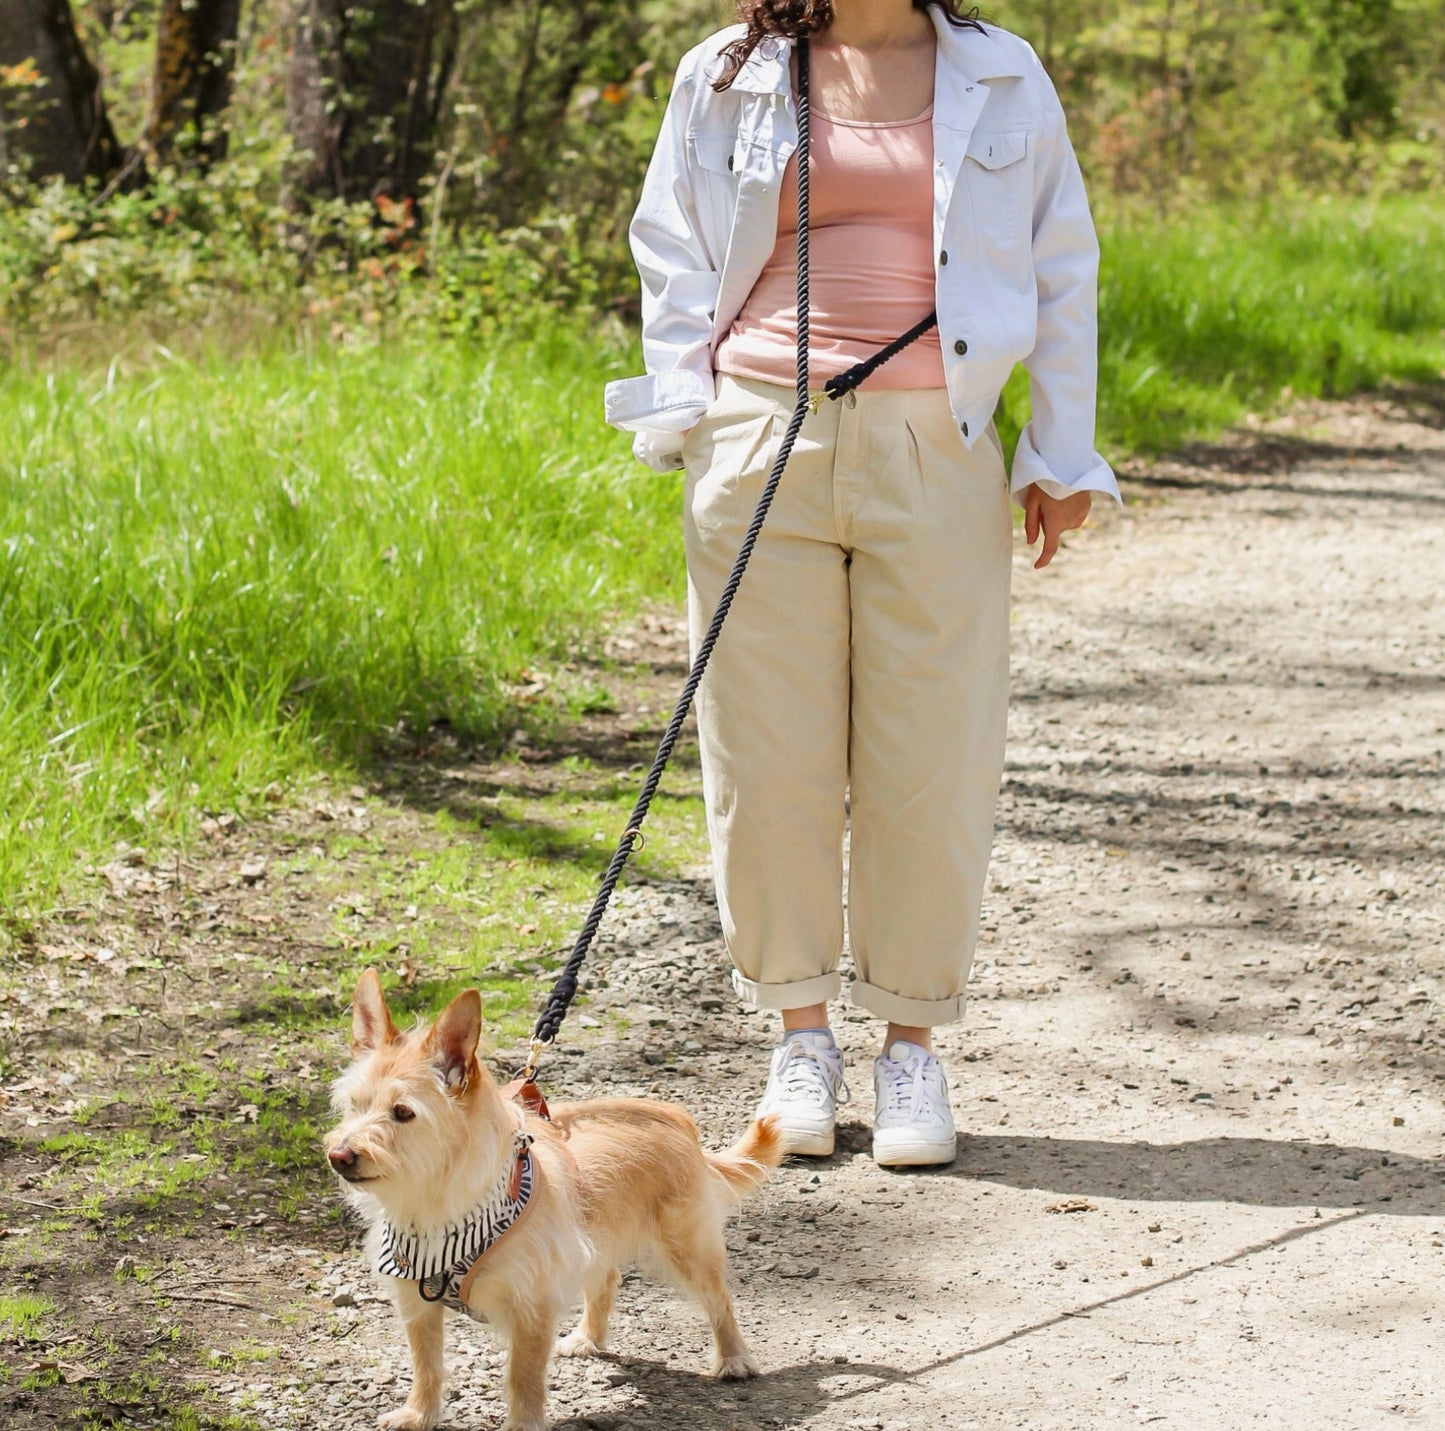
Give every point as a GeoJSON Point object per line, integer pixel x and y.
{"type": "Point", "coordinates": [425, 1334]}
{"type": "Point", "coordinates": [533, 1329]}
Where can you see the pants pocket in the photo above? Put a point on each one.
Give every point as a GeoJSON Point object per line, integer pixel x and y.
{"type": "Point", "coordinates": [725, 450]}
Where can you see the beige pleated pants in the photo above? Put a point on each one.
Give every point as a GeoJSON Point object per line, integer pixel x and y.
{"type": "Point", "coordinates": [862, 674]}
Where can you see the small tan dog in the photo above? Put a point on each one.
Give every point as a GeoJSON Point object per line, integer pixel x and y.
{"type": "Point", "coordinates": [477, 1205]}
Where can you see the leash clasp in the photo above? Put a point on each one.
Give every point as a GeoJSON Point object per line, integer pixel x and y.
{"type": "Point", "coordinates": [534, 1060]}
{"type": "Point", "coordinates": [816, 401]}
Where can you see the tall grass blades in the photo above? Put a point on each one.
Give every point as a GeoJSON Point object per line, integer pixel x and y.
{"type": "Point", "coordinates": [218, 574]}
{"type": "Point", "coordinates": [1205, 318]}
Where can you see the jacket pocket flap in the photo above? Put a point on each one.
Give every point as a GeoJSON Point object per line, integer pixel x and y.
{"type": "Point", "coordinates": [998, 150]}
{"type": "Point", "coordinates": [715, 151]}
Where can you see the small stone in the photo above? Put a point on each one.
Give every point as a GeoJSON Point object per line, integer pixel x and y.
{"type": "Point", "coordinates": [799, 1271]}
{"type": "Point", "coordinates": [344, 1297]}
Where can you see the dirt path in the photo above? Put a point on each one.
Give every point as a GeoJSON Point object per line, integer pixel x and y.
{"type": "Point", "coordinates": [1202, 1083]}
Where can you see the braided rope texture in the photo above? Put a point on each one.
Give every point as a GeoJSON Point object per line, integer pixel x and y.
{"type": "Point", "coordinates": [565, 988]}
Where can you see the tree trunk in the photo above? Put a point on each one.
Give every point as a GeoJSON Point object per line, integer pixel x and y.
{"type": "Point", "coordinates": [191, 82]}
{"type": "Point", "coordinates": [364, 92]}
{"type": "Point", "coordinates": [56, 122]}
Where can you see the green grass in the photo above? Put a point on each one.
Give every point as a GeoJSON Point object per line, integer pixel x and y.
{"type": "Point", "coordinates": [1207, 316]}
{"type": "Point", "coordinates": [222, 575]}
{"type": "Point", "coordinates": [219, 575]}
{"type": "Point", "coordinates": [1206, 319]}
{"type": "Point", "coordinates": [22, 1315]}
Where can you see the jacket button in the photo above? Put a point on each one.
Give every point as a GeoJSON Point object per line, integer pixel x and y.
{"type": "Point", "coordinates": [960, 347]}
{"type": "Point", "coordinates": [964, 429]}
{"type": "Point", "coordinates": [730, 163]}
{"type": "Point", "coordinates": [943, 257]}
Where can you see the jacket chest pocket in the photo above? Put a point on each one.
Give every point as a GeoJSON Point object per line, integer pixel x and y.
{"type": "Point", "coordinates": [716, 159]}
{"type": "Point", "coordinates": [715, 152]}
{"type": "Point", "coordinates": [998, 171]}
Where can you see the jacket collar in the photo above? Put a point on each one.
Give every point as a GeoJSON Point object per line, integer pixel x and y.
{"type": "Point", "coordinates": [766, 70]}
{"type": "Point", "coordinates": [961, 50]}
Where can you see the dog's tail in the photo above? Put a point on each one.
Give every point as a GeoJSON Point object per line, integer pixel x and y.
{"type": "Point", "coordinates": [746, 1165]}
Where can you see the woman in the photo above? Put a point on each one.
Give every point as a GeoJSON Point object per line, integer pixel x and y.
{"type": "Point", "coordinates": [863, 672]}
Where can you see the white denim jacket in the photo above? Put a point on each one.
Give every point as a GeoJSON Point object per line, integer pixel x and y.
{"type": "Point", "coordinates": [1015, 256]}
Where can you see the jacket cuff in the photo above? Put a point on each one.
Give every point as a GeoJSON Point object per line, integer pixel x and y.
{"type": "Point", "coordinates": [1091, 474]}
{"type": "Point", "coordinates": [673, 401]}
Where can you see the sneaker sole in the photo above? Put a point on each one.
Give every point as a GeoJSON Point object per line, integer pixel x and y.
{"type": "Point", "coordinates": [914, 1154]}
{"type": "Point", "coordinates": [807, 1143]}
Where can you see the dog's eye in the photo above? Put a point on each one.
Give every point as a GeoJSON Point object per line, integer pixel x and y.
{"type": "Point", "coordinates": [401, 1113]}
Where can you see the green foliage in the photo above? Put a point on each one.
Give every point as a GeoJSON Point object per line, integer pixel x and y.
{"type": "Point", "coordinates": [221, 250]}
{"type": "Point", "coordinates": [547, 122]}
{"type": "Point", "coordinates": [1183, 99]}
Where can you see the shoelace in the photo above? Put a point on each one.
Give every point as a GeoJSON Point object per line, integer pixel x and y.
{"type": "Point", "coordinates": [908, 1086]}
{"type": "Point", "coordinates": [805, 1066]}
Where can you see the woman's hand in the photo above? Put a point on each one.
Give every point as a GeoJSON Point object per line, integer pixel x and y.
{"type": "Point", "coordinates": [1053, 516]}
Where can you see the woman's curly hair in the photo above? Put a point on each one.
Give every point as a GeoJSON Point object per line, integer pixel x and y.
{"type": "Point", "coordinates": [797, 19]}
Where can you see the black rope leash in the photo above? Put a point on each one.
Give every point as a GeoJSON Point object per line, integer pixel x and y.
{"type": "Point", "coordinates": [844, 383]}
{"type": "Point", "coordinates": [565, 988]}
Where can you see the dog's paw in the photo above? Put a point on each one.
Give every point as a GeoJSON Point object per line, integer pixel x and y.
{"type": "Point", "coordinates": [736, 1368]}
{"type": "Point", "coordinates": [407, 1418]}
{"type": "Point", "coordinates": [578, 1343]}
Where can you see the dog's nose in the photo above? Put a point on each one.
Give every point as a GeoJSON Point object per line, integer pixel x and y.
{"type": "Point", "coordinates": [343, 1159]}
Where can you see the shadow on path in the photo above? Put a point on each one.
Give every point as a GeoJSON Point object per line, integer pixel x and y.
{"type": "Point", "coordinates": [666, 1393]}
{"type": "Point", "coordinates": [1258, 1172]}
{"type": "Point", "coordinates": [1252, 1172]}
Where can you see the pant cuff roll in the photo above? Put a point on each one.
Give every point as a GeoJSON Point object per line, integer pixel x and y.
{"type": "Point", "coordinates": [797, 995]}
{"type": "Point", "coordinates": [917, 1013]}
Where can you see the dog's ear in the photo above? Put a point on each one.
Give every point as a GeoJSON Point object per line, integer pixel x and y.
{"type": "Point", "coordinates": [452, 1042]}
{"type": "Point", "coordinates": [371, 1024]}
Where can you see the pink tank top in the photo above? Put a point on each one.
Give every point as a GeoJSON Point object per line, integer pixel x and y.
{"type": "Point", "coordinates": [870, 261]}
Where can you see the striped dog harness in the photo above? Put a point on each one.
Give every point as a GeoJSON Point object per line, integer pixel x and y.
{"type": "Point", "coordinates": [441, 1259]}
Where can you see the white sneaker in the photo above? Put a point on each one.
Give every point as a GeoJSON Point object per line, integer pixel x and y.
{"type": "Point", "coordinates": [805, 1086]}
{"type": "Point", "coordinates": [913, 1124]}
